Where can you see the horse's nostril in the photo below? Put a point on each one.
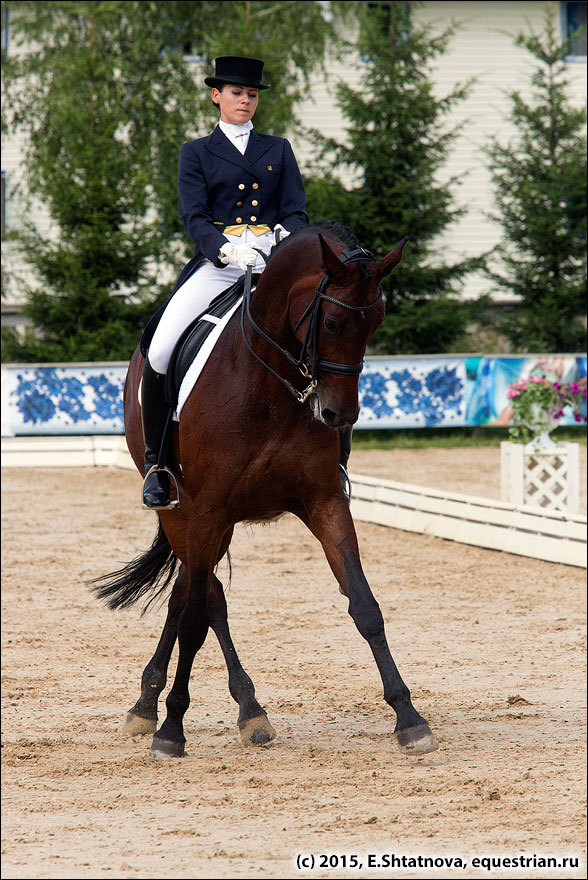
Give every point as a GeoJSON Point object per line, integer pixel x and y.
{"type": "Point", "coordinates": [329, 416]}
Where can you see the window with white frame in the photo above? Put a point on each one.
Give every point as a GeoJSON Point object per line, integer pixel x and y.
{"type": "Point", "coordinates": [573, 25]}
{"type": "Point", "coordinates": [4, 192]}
{"type": "Point", "coordinates": [5, 31]}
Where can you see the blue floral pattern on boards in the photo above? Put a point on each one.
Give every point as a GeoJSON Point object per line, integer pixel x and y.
{"type": "Point", "coordinates": [68, 400]}
{"type": "Point", "coordinates": [415, 392]}
{"type": "Point", "coordinates": [412, 393]}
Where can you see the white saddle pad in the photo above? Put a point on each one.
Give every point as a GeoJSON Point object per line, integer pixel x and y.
{"type": "Point", "coordinates": [203, 354]}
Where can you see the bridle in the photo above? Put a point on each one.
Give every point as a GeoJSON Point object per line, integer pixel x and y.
{"type": "Point", "coordinates": [309, 362]}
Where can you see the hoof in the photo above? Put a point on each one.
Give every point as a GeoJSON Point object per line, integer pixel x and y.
{"type": "Point", "coordinates": [416, 740]}
{"type": "Point", "coordinates": [256, 731]}
{"type": "Point", "coordinates": [134, 725]}
{"type": "Point", "coordinates": [166, 748]}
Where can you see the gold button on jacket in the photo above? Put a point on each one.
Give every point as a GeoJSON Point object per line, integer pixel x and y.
{"type": "Point", "coordinates": [213, 177]}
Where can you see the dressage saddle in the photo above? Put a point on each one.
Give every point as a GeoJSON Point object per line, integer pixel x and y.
{"type": "Point", "coordinates": [194, 336]}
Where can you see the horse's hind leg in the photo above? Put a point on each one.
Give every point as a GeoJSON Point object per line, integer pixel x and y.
{"type": "Point", "coordinates": [169, 740]}
{"type": "Point", "coordinates": [205, 606]}
{"type": "Point", "coordinates": [142, 718]}
{"type": "Point", "coordinates": [253, 724]}
{"type": "Point", "coordinates": [201, 612]}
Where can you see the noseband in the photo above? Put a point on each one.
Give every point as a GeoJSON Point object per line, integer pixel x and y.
{"type": "Point", "coordinates": [309, 362]}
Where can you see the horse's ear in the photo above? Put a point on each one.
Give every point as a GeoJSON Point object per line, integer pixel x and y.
{"type": "Point", "coordinates": [385, 266]}
{"type": "Point", "coordinates": [335, 268]}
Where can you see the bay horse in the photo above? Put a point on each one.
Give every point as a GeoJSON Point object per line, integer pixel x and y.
{"type": "Point", "coordinates": [251, 445]}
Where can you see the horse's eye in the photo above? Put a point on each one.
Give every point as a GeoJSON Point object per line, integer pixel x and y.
{"type": "Point", "coordinates": [331, 325]}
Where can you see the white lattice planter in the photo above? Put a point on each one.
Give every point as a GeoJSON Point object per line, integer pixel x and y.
{"type": "Point", "coordinates": [548, 479]}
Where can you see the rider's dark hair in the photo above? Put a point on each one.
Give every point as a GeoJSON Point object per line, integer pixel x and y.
{"type": "Point", "coordinates": [220, 87]}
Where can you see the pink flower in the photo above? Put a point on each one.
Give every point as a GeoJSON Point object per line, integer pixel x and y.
{"type": "Point", "coordinates": [577, 417]}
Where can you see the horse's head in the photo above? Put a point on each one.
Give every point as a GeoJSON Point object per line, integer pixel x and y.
{"type": "Point", "coordinates": [336, 324]}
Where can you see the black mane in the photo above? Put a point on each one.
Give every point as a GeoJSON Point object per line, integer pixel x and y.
{"type": "Point", "coordinates": [337, 230]}
{"type": "Point", "coordinates": [342, 233]}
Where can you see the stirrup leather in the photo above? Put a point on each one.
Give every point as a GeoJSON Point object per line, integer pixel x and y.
{"type": "Point", "coordinates": [345, 481]}
{"type": "Point", "coordinates": [175, 503]}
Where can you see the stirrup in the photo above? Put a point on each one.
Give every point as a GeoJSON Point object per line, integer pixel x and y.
{"type": "Point", "coordinates": [345, 482]}
{"type": "Point", "coordinates": [175, 503]}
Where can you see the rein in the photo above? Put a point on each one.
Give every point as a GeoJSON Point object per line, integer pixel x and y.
{"type": "Point", "coordinates": [309, 363]}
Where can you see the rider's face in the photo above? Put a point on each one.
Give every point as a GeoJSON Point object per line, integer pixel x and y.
{"type": "Point", "coordinates": [237, 103]}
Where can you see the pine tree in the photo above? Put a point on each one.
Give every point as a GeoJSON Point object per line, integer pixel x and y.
{"type": "Point", "coordinates": [100, 103]}
{"type": "Point", "coordinates": [106, 99]}
{"type": "Point", "coordinates": [290, 37]}
{"type": "Point", "coordinates": [397, 141]}
{"type": "Point", "coordinates": [540, 181]}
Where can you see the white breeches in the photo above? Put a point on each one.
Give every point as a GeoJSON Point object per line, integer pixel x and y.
{"type": "Point", "coordinates": [194, 296]}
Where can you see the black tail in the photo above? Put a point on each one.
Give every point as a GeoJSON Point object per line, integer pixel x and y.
{"type": "Point", "coordinates": [149, 573]}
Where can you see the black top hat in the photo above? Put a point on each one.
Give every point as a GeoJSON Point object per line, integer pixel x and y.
{"type": "Point", "coordinates": [237, 71]}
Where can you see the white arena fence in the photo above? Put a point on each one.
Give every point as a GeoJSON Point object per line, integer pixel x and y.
{"type": "Point", "coordinates": [523, 530]}
{"type": "Point", "coordinates": [554, 536]}
{"type": "Point", "coordinates": [71, 415]}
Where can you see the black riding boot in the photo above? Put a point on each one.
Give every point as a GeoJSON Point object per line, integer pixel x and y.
{"type": "Point", "coordinates": [345, 451]}
{"type": "Point", "coordinates": [154, 414]}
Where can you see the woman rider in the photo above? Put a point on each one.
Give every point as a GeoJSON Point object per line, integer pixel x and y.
{"type": "Point", "coordinates": [236, 190]}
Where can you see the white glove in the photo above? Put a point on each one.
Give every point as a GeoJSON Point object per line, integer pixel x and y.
{"type": "Point", "coordinates": [240, 255]}
{"type": "Point", "coordinates": [280, 232]}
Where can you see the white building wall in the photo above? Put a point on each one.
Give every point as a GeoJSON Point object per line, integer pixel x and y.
{"type": "Point", "coordinates": [17, 276]}
{"type": "Point", "coordinates": [483, 47]}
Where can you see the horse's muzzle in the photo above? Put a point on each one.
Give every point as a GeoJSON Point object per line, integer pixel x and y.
{"type": "Point", "coordinates": [330, 417]}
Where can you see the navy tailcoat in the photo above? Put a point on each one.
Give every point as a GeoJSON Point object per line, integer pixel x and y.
{"type": "Point", "coordinates": [218, 188]}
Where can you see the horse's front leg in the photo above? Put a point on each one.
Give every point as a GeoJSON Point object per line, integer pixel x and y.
{"type": "Point", "coordinates": [332, 524]}
{"type": "Point", "coordinates": [142, 718]}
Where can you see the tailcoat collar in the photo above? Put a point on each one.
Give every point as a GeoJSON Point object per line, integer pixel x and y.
{"type": "Point", "coordinates": [220, 145]}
